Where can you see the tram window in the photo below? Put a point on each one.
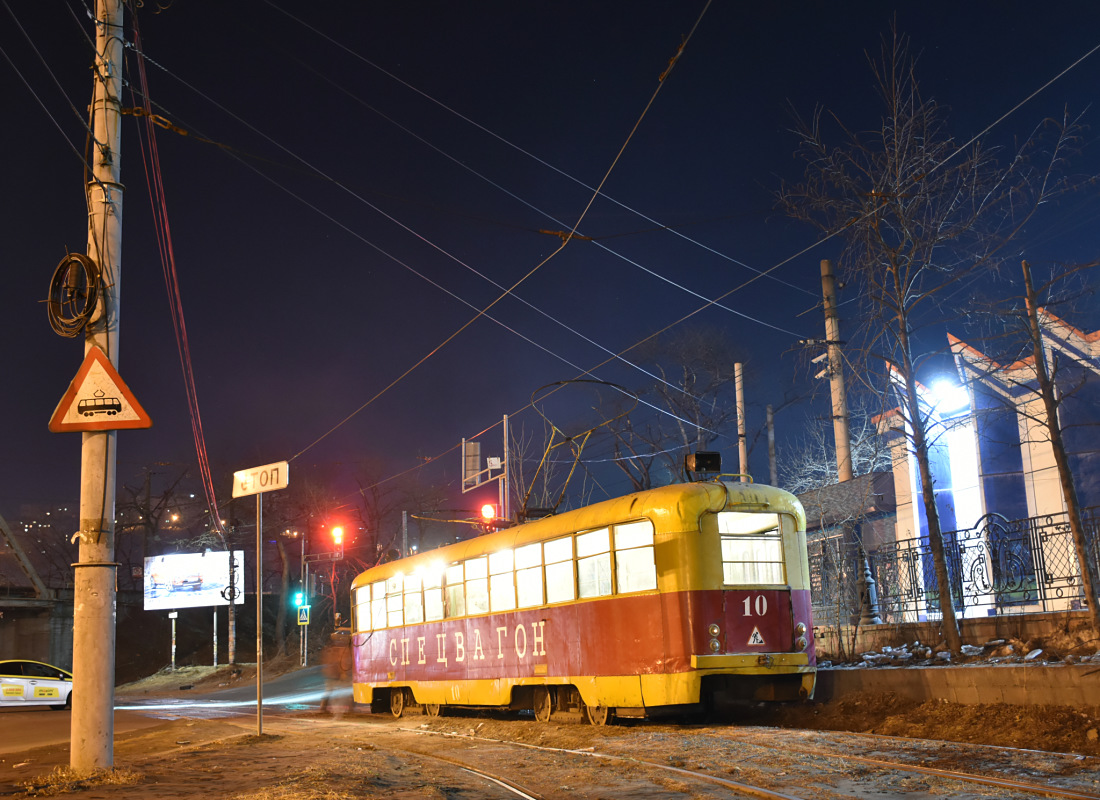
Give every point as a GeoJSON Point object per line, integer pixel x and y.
{"type": "Point", "coordinates": [558, 554]}
{"type": "Point", "coordinates": [456, 598]}
{"type": "Point", "coordinates": [635, 567]}
{"type": "Point", "coordinates": [414, 607]}
{"type": "Point", "coordinates": [433, 596]}
{"type": "Point", "coordinates": [378, 605]}
{"type": "Point", "coordinates": [395, 616]}
{"type": "Point", "coordinates": [594, 563]}
{"type": "Point", "coordinates": [502, 581]}
{"type": "Point", "coordinates": [529, 575]}
{"type": "Point", "coordinates": [362, 608]}
{"type": "Point", "coordinates": [414, 600]}
{"type": "Point", "coordinates": [477, 586]}
{"type": "Point", "coordinates": [752, 548]}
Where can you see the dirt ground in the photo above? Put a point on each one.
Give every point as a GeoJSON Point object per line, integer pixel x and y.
{"type": "Point", "coordinates": [1048, 728]}
{"type": "Point", "coordinates": [312, 756]}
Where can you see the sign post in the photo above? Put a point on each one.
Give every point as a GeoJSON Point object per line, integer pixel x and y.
{"type": "Point", "coordinates": [172, 616]}
{"type": "Point", "coordinates": [258, 480]}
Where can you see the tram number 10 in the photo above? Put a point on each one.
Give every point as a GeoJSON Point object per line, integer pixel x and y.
{"type": "Point", "coordinates": [759, 604]}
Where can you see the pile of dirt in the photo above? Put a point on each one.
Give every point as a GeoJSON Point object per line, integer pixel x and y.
{"type": "Point", "coordinates": [1059, 729]}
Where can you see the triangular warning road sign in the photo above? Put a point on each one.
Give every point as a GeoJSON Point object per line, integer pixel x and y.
{"type": "Point", "coordinates": [98, 400]}
{"type": "Point", "coordinates": [756, 638]}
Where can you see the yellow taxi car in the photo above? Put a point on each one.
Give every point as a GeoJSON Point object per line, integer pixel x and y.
{"type": "Point", "coordinates": [32, 683]}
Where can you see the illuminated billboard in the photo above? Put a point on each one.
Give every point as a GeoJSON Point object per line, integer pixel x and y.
{"type": "Point", "coordinates": [191, 580]}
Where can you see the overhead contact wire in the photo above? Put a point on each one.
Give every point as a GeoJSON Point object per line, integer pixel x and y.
{"type": "Point", "coordinates": [537, 267]}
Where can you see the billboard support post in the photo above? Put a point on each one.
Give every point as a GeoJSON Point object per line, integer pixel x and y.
{"type": "Point", "coordinates": [172, 616]}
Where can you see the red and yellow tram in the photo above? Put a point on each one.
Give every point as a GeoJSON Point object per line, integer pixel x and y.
{"type": "Point", "coordinates": [667, 599]}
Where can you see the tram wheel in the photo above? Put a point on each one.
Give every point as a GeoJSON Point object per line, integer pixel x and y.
{"type": "Point", "coordinates": [397, 702]}
{"type": "Point", "coordinates": [430, 709]}
{"type": "Point", "coordinates": [597, 715]}
{"type": "Point", "coordinates": [543, 704]}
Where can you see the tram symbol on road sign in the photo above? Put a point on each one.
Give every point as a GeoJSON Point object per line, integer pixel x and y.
{"type": "Point", "coordinates": [303, 615]}
{"type": "Point", "coordinates": [98, 400]}
{"type": "Point", "coordinates": [756, 638]}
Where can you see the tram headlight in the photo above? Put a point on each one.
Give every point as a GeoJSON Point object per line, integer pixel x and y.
{"type": "Point", "coordinates": [801, 643]}
{"type": "Point", "coordinates": [715, 645]}
{"type": "Point", "coordinates": [800, 629]}
{"type": "Point", "coordinates": [714, 630]}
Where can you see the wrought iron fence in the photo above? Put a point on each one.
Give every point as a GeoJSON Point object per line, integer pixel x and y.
{"type": "Point", "coordinates": [997, 567]}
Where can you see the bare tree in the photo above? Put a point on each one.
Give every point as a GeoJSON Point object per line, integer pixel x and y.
{"type": "Point", "coordinates": [1045, 382]}
{"type": "Point", "coordinates": [811, 464]}
{"type": "Point", "coordinates": [143, 512]}
{"type": "Point", "coordinates": [1037, 378]}
{"type": "Point", "coordinates": [921, 219]}
{"type": "Point", "coordinates": [689, 406]}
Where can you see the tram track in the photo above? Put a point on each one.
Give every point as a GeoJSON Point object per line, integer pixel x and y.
{"type": "Point", "coordinates": [744, 788]}
{"type": "Point", "coordinates": [1026, 788]}
{"type": "Point", "coordinates": [774, 763]}
{"type": "Point", "coordinates": [834, 737]}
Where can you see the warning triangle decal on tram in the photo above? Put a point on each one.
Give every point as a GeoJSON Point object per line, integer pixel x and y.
{"type": "Point", "coordinates": [756, 638]}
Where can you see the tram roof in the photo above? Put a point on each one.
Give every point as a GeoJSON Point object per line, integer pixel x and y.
{"type": "Point", "coordinates": [664, 505]}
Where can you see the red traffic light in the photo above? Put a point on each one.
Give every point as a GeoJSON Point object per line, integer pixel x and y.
{"type": "Point", "coordinates": [488, 512]}
{"type": "Point", "coordinates": [338, 535]}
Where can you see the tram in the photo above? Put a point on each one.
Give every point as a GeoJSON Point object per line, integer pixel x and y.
{"type": "Point", "coordinates": [677, 598]}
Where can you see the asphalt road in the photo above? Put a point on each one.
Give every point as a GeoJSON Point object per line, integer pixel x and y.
{"type": "Point", "coordinates": [302, 690]}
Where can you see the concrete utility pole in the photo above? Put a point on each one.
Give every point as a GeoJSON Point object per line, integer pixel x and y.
{"type": "Point", "coordinates": [742, 438]}
{"type": "Point", "coordinates": [865, 583]}
{"type": "Point", "coordinates": [94, 578]}
{"type": "Point", "coordinates": [836, 374]}
{"type": "Point", "coordinates": [773, 471]}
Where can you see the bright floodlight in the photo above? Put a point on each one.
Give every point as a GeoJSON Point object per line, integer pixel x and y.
{"type": "Point", "coordinates": [950, 397]}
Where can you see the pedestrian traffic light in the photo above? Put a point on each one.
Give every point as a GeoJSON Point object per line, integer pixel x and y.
{"type": "Point", "coordinates": [338, 541]}
{"type": "Point", "coordinates": [299, 599]}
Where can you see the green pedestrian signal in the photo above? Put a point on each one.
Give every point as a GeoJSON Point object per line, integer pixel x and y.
{"type": "Point", "coordinates": [299, 599]}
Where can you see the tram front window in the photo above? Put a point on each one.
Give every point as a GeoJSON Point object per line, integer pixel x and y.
{"type": "Point", "coordinates": [752, 548]}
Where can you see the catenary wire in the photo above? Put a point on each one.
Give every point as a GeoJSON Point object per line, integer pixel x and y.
{"type": "Point", "coordinates": [798, 254]}
{"type": "Point", "coordinates": [507, 291]}
{"type": "Point", "coordinates": [463, 165]}
{"type": "Point", "coordinates": [433, 245]}
{"type": "Point", "coordinates": [827, 238]}
{"type": "Point", "coordinates": [526, 153]}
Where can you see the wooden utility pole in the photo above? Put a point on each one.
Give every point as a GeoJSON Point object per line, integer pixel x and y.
{"type": "Point", "coordinates": [94, 579]}
{"type": "Point", "coordinates": [836, 374]}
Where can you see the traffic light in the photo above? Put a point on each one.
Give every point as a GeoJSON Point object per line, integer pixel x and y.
{"type": "Point", "coordinates": [338, 541]}
{"type": "Point", "coordinates": [489, 516]}
{"type": "Point", "coordinates": [299, 599]}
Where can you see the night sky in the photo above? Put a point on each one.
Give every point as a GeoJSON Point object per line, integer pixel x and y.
{"type": "Point", "coordinates": [360, 179]}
